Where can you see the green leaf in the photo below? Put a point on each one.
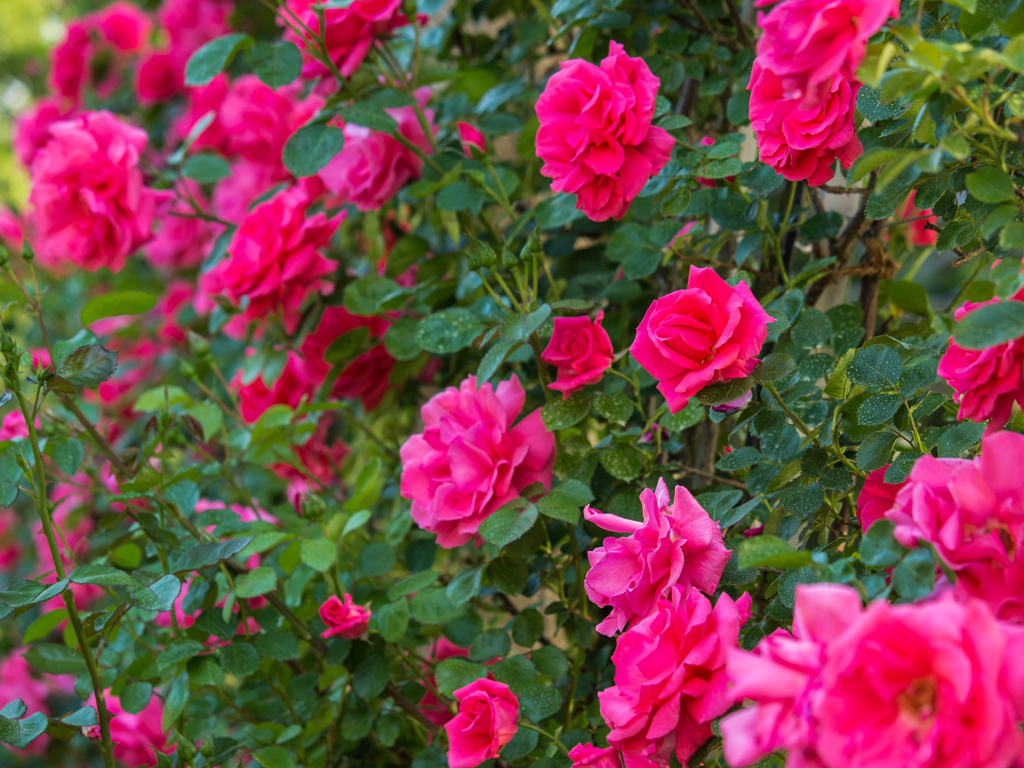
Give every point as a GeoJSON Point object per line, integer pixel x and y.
{"type": "Point", "coordinates": [914, 577]}
{"type": "Point", "coordinates": [875, 451]}
{"type": "Point", "coordinates": [557, 211]}
{"type": "Point", "coordinates": [741, 458]}
{"type": "Point", "coordinates": [802, 502]}
{"type": "Point", "coordinates": [562, 414]}
{"type": "Point", "coordinates": [432, 606]}
{"type": "Point", "coordinates": [725, 391]}
{"type": "Point", "coordinates": [117, 305]}
{"type": "Point", "coordinates": [878, 409]}
{"type": "Point", "coordinates": [66, 454]}
{"type": "Point", "coordinates": [274, 757]}
{"type": "Point", "coordinates": [494, 358]}
{"type": "Point", "coordinates": [257, 582]}
{"type": "Point", "coordinates": [766, 551]}
{"type": "Point", "coordinates": [991, 325]}
{"type": "Point", "coordinates": [519, 327]}
{"type": "Point", "coordinates": [559, 506]}
{"type": "Point", "coordinates": [878, 548]}
{"type": "Point", "coordinates": [206, 63]}
{"type": "Point", "coordinates": [277, 644]}
{"type": "Point", "coordinates": [492, 644]}
{"type": "Point", "coordinates": [370, 116]}
{"type": "Point", "coordinates": [371, 676]}
{"type": "Point", "coordinates": [205, 169]}
{"type": "Point", "coordinates": [508, 574]}
{"type": "Point", "coordinates": [774, 367]}
{"type": "Point", "coordinates": [375, 559]}
{"type": "Point", "coordinates": [400, 340]}
{"type": "Point", "coordinates": [55, 659]}
{"type": "Point", "coordinates": [413, 583]}
{"type": "Point", "coordinates": [178, 651]}
{"type": "Point", "coordinates": [44, 625]}
{"type": "Point", "coordinates": [527, 627]}
{"type": "Point", "coordinates": [465, 586]}
{"type": "Point", "coordinates": [617, 407]}
{"type": "Point", "coordinates": [21, 733]}
{"type": "Point", "coordinates": [448, 331]}
{"type": "Point", "coordinates": [550, 661]}
{"type": "Point", "coordinates": [393, 620]}
{"type": "Point", "coordinates": [276, 64]}
{"type": "Point", "coordinates": [206, 555]}
{"type": "Point", "coordinates": [453, 674]}
{"type": "Point", "coordinates": [318, 554]}
{"type": "Point", "coordinates": [461, 196]}
{"type": "Point", "coordinates": [104, 575]}
{"type": "Point", "coordinates": [311, 148]}
{"type": "Point", "coordinates": [158, 596]}
{"type": "Point", "coordinates": [239, 659]}
{"type": "Point", "coordinates": [135, 697]}
{"type": "Point", "coordinates": [88, 365]}
{"type": "Point", "coordinates": [539, 702]}
{"type": "Point", "coordinates": [877, 366]}
{"type": "Point", "coordinates": [623, 462]}
{"type": "Point", "coordinates": [990, 185]}
{"type": "Point", "coordinates": [509, 522]}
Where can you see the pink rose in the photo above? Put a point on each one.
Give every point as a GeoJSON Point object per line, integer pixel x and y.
{"type": "Point", "coordinates": [11, 233]}
{"type": "Point", "coordinates": [193, 23]}
{"type": "Point", "coordinates": [595, 135]}
{"type": "Point", "coordinates": [968, 511]}
{"type": "Point", "coordinates": [349, 31]}
{"type": "Point", "coordinates": [182, 241]}
{"type": "Point", "coordinates": [373, 166]}
{"type": "Point", "coordinates": [344, 619]}
{"type": "Point", "coordinates": [259, 119]}
{"type": "Point", "coordinates": [274, 259]}
{"type": "Point", "coordinates": [90, 206]}
{"type": "Point", "coordinates": [804, 143]}
{"type": "Point", "coordinates": [321, 458]}
{"type": "Point", "coordinates": [589, 756]}
{"type": "Point", "coordinates": [581, 350]}
{"type": "Point", "coordinates": [233, 196]}
{"type": "Point", "coordinates": [682, 237]}
{"type": "Point", "coordinates": [876, 497]}
{"type": "Point", "coordinates": [160, 77]}
{"type": "Point", "coordinates": [676, 544]}
{"type": "Point", "coordinates": [289, 388]}
{"type": "Point", "coordinates": [201, 101]}
{"type": "Point", "coordinates": [670, 678]}
{"type": "Point", "coordinates": [366, 376]}
{"type": "Point", "coordinates": [135, 736]}
{"type": "Point", "coordinates": [472, 140]}
{"type": "Point", "coordinates": [707, 333]}
{"type": "Point", "coordinates": [469, 459]}
{"type": "Point", "coordinates": [429, 705]}
{"type": "Point", "coordinates": [809, 43]}
{"type": "Point", "coordinates": [986, 382]}
{"type": "Point", "coordinates": [486, 722]}
{"type": "Point", "coordinates": [32, 128]}
{"type": "Point", "coordinates": [125, 26]}
{"type": "Point", "coordinates": [69, 62]}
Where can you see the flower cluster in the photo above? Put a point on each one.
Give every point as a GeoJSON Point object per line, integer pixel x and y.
{"type": "Point", "coordinates": [803, 87]}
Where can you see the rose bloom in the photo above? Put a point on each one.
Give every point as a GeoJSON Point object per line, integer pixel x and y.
{"type": "Point", "coordinates": [916, 232]}
{"type": "Point", "coordinates": [69, 62]}
{"type": "Point", "coordinates": [259, 119]}
{"type": "Point", "coordinates": [469, 460]}
{"type": "Point", "coordinates": [89, 204]}
{"type": "Point", "coordinates": [589, 756]}
{"type": "Point", "coordinates": [969, 511]}
{"type": "Point", "coordinates": [429, 705]}
{"type": "Point", "coordinates": [321, 458]}
{"type": "Point", "coordinates": [202, 100]}
{"type": "Point", "coordinates": [373, 166]}
{"type": "Point", "coordinates": [125, 26]}
{"type": "Point", "coordinates": [344, 619]}
{"type": "Point", "coordinates": [595, 135]}
{"type": "Point", "coordinates": [32, 128]}
{"type": "Point", "coordinates": [670, 678]}
{"type": "Point", "coordinates": [809, 43]}
{"type": "Point", "coordinates": [233, 196]}
{"type": "Point", "coordinates": [274, 259]}
{"type": "Point", "coordinates": [134, 736]}
{"type": "Point", "coordinates": [159, 77]}
{"type": "Point", "coordinates": [255, 397]}
{"type": "Point", "coordinates": [933, 684]}
{"type": "Point", "coordinates": [190, 24]}
{"type": "Point", "coordinates": [349, 32]}
{"type": "Point", "coordinates": [986, 382]}
{"type": "Point", "coordinates": [677, 543]}
{"type": "Point", "coordinates": [707, 333]}
{"type": "Point", "coordinates": [876, 497]}
{"type": "Point", "coordinates": [181, 242]}
{"type": "Point", "coordinates": [803, 144]}
{"type": "Point", "coordinates": [367, 375]}
{"type": "Point", "coordinates": [581, 351]}
{"type": "Point", "coordinates": [486, 722]}
{"type": "Point", "coordinates": [11, 234]}
{"type": "Point", "coordinates": [471, 140]}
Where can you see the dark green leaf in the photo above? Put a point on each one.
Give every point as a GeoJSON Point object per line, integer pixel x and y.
{"type": "Point", "coordinates": [393, 620]}
{"type": "Point", "coordinates": [914, 578]}
{"type": "Point", "coordinates": [370, 116]}
{"type": "Point", "coordinates": [21, 733]}
{"type": "Point", "coordinates": [509, 522]}
{"type": "Point", "coordinates": [878, 409]}
{"type": "Point", "coordinates": [774, 367]}
{"type": "Point", "coordinates": [562, 414]}
{"type": "Point", "coordinates": [770, 551]}
{"type": "Point", "coordinates": [311, 148]}
{"type": "Point", "coordinates": [550, 661]}
{"type": "Point", "coordinates": [724, 392]}
{"type": "Point", "coordinates": [205, 555]}
{"type": "Point", "coordinates": [991, 325]}
{"type": "Point", "coordinates": [878, 548]}
{"type": "Point", "coordinates": [276, 64]}
{"type": "Point", "coordinates": [877, 366]}
{"type": "Point", "coordinates": [432, 606]}
{"type": "Point", "coordinates": [206, 63]}
{"type": "Point", "coordinates": [448, 331]}
{"type": "Point", "coordinates": [158, 596]}
{"type": "Point", "coordinates": [538, 702]}
{"type": "Point", "coordinates": [88, 365]}
{"type": "Point", "coordinates": [372, 676]}
{"type": "Point", "coordinates": [104, 575]}
{"type": "Point", "coordinates": [240, 659]}
{"type": "Point", "coordinates": [453, 674]}
{"type": "Point", "coordinates": [204, 168]}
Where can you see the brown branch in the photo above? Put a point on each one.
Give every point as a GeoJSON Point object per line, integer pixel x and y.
{"type": "Point", "coordinates": [966, 256]}
{"type": "Point", "coordinates": [741, 28]}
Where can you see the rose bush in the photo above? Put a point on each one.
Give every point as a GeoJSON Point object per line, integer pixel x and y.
{"type": "Point", "coordinates": [557, 384]}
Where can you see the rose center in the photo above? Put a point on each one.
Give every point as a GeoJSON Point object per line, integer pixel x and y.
{"type": "Point", "coordinates": [917, 705]}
